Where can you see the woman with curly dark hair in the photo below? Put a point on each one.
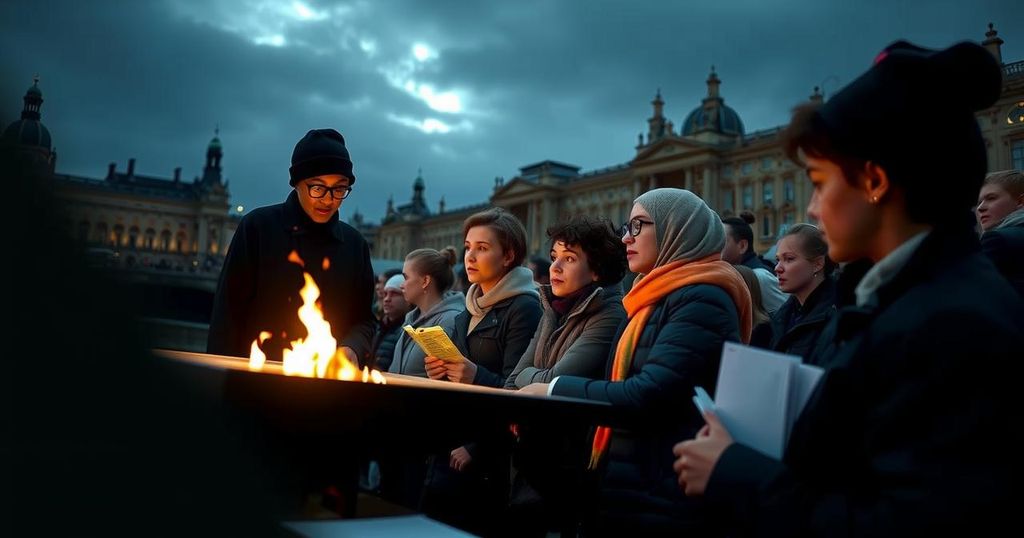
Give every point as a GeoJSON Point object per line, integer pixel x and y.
{"type": "Point", "coordinates": [582, 312]}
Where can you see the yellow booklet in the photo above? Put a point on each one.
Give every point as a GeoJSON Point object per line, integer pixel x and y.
{"type": "Point", "coordinates": [434, 342]}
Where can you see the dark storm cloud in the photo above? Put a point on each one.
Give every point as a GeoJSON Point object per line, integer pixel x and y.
{"type": "Point", "coordinates": [528, 80]}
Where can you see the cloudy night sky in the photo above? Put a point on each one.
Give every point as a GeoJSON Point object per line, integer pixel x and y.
{"type": "Point", "coordinates": [464, 90]}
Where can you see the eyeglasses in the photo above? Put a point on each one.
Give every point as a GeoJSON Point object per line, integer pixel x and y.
{"type": "Point", "coordinates": [337, 193]}
{"type": "Point", "coordinates": [633, 227]}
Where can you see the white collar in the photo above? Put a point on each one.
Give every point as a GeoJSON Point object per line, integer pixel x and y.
{"type": "Point", "coordinates": [886, 268]}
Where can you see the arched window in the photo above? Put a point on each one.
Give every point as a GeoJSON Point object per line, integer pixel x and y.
{"type": "Point", "coordinates": [100, 233]}
{"type": "Point", "coordinates": [133, 237]}
{"type": "Point", "coordinates": [181, 242]}
{"type": "Point", "coordinates": [150, 239]}
{"type": "Point", "coordinates": [768, 192]}
{"type": "Point", "coordinates": [165, 240]}
{"type": "Point", "coordinates": [119, 237]}
{"type": "Point", "coordinates": [748, 196]}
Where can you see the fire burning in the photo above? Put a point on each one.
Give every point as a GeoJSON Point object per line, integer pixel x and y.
{"type": "Point", "coordinates": [317, 355]}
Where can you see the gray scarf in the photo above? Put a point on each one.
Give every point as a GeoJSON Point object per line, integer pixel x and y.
{"type": "Point", "coordinates": [1013, 219]}
{"type": "Point", "coordinates": [685, 227]}
{"type": "Point", "coordinates": [516, 282]}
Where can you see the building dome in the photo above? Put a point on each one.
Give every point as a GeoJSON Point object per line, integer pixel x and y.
{"type": "Point", "coordinates": [722, 119]}
{"type": "Point", "coordinates": [29, 131]}
{"type": "Point", "coordinates": [712, 114]}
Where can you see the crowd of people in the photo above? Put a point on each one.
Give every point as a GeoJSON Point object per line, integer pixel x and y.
{"type": "Point", "coordinates": [913, 307]}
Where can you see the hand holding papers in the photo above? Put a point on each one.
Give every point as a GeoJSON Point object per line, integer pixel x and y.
{"type": "Point", "coordinates": [760, 395]}
{"type": "Point", "coordinates": [434, 342]}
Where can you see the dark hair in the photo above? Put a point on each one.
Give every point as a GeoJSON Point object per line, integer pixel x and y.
{"type": "Point", "coordinates": [739, 228]}
{"type": "Point", "coordinates": [541, 266]}
{"type": "Point", "coordinates": [605, 252]}
{"type": "Point", "coordinates": [510, 232]}
{"type": "Point", "coordinates": [437, 264]}
{"type": "Point", "coordinates": [812, 244]}
{"type": "Point", "coordinates": [756, 299]}
{"type": "Point", "coordinates": [911, 114]}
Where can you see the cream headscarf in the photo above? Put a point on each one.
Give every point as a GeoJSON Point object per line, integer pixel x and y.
{"type": "Point", "coordinates": [685, 227]}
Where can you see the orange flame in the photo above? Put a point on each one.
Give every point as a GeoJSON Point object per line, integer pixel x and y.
{"type": "Point", "coordinates": [317, 355]}
{"type": "Point", "coordinates": [326, 264]}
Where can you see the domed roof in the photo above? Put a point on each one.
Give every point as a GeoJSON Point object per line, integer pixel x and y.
{"type": "Point", "coordinates": [214, 143]}
{"type": "Point", "coordinates": [34, 90]}
{"type": "Point", "coordinates": [720, 118]}
{"type": "Point", "coordinates": [26, 132]}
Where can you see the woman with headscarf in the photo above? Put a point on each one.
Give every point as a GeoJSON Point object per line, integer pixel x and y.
{"type": "Point", "coordinates": [914, 428]}
{"type": "Point", "coordinates": [684, 305]}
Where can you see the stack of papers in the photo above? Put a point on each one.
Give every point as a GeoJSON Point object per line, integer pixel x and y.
{"type": "Point", "coordinates": [760, 395]}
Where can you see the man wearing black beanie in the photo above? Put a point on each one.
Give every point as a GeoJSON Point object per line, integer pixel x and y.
{"type": "Point", "coordinates": [259, 285]}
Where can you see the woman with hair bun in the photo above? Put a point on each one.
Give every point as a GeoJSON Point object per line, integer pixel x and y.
{"type": "Point", "coordinates": [428, 281]}
{"type": "Point", "coordinates": [805, 273]}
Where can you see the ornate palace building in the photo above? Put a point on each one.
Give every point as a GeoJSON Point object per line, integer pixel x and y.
{"type": "Point", "coordinates": [710, 154]}
{"type": "Point", "coordinates": [165, 236]}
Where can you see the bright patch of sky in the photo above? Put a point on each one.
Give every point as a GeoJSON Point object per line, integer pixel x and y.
{"type": "Point", "coordinates": [275, 40]}
{"type": "Point", "coordinates": [431, 125]}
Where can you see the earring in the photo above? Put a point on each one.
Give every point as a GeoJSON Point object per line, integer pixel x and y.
{"type": "Point", "coordinates": [874, 199]}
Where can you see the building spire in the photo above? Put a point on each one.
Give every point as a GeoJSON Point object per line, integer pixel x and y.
{"type": "Point", "coordinates": [817, 96]}
{"type": "Point", "coordinates": [993, 43]}
{"type": "Point", "coordinates": [713, 83]}
{"type": "Point", "coordinates": [656, 123]}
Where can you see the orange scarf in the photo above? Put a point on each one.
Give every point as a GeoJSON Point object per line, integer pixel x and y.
{"type": "Point", "coordinates": [652, 288]}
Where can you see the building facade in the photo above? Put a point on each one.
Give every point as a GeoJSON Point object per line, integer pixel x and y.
{"type": "Point", "coordinates": [167, 237]}
{"type": "Point", "coordinates": [710, 154]}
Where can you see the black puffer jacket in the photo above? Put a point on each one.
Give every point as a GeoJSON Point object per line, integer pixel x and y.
{"type": "Point", "coordinates": [795, 328]}
{"type": "Point", "coordinates": [679, 348]}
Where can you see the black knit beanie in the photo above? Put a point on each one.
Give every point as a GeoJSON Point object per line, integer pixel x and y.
{"type": "Point", "coordinates": [321, 152]}
{"type": "Point", "coordinates": [913, 112]}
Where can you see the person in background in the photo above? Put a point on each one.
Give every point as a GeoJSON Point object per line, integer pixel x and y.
{"type": "Point", "coordinates": [761, 335]}
{"type": "Point", "coordinates": [539, 267]}
{"type": "Point", "coordinates": [259, 285]}
{"type": "Point", "coordinates": [582, 312]}
{"type": "Point", "coordinates": [685, 306]}
{"type": "Point", "coordinates": [1001, 215]}
{"type": "Point", "coordinates": [428, 281]}
{"type": "Point", "coordinates": [394, 309]}
{"type": "Point", "coordinates": [469, 485]}
{"type": "Point", "coordinates": [378, 305]}
{"type": "Point", "coordinates": [739, 250]}
{"type": "Point", "coordinates": [912, 430]}
{"type": "Point", "coordinates": [805, 273]}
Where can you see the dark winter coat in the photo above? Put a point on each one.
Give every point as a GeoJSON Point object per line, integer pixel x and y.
{"type": "Point", "coordinates": [795, 327]}
{"type": "Point", "coordinates": [679, 348]}
{"type": "Point", "coordinates": [1005, 247]}
{"type": "Point", "coordinates": [259, 287]}
{"type": "Point", "coordinates": [383, 345]}
{"type": "Point", "coordinates": [914, 429]}
{"type": "Point", "coordinates": [498, 341]}
{"type": "Point", "coordinates": [580, 340]}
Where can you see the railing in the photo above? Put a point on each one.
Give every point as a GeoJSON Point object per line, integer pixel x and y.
{"type": "Point", "coordinates": [1014, 70]}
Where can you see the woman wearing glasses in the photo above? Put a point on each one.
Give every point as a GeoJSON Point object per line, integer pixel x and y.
{"type": "Point", "coordinates": [684, 305]}
{"type": "Point", "coordinates": [259, 286]}
{"type": "Point", "coordinates": [914, 428]}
